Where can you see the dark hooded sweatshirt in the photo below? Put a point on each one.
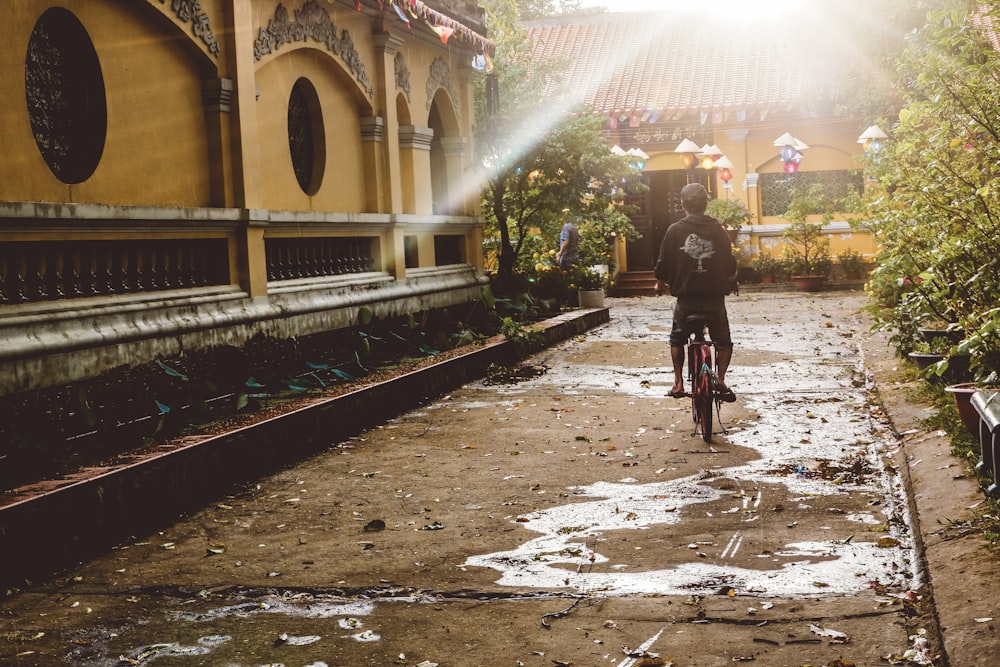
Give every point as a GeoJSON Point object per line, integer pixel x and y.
{"type": "Point", "coordinates": [696, 259]}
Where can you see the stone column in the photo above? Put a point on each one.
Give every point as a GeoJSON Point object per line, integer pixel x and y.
{"type": "Point", "coordinates": [415, 165]}
{"type": "Point", "coordinates": [248, 263]}
{"type": "Point", "coordinates": [390, 184]}
{"type": "Point", "coordinates": [372, 131]}
{"type": "Point", "coordinates": [217, 96]}
{"type": "Point", "coordinates": [455, 151]}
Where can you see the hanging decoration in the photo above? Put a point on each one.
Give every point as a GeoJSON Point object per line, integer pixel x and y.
{"type": "Point", "coordinates": [444, 32]}
{"type": "Point", "coordinates": [402, 17]}
{"type": "Point", "coordinates": [481, 62]}
{"type": "Point", "coordinates": [444, 26]}
{"type": "Point", "coordinates": [790, 152]}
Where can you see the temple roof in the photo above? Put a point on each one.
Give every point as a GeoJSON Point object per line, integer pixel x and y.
{"type": "Point", "coordinates": [668, 65]}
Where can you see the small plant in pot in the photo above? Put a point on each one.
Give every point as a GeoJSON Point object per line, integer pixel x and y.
{"type": "Point", "coordinates": [590, 285]}
{"type": "Point", "coordinates": [733, 214]}
{"type": "Point", "coordinates": [807, 254]}
{"type": "Point", "coordinates": [852, 264]}
{"type": "Point", "coordinates": [586, 279]}
{"type": "Point", "coordinates": [768, 268]}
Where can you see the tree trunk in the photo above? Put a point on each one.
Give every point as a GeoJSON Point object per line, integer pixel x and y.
{"type": "Point", "coordinates": [507, 257]}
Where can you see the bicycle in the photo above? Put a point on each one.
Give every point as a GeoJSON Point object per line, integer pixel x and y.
{"type": "Point", "coordinates": [702, 375]}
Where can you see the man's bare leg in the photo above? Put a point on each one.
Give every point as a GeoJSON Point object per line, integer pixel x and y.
{"type": "Point", "coordinates": [722, 359]}
{"type": "Point", "coordinates": [677, 358]}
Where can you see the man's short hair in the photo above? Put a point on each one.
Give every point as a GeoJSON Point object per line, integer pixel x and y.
{"type": "Point", "coordinates": [694, 198]}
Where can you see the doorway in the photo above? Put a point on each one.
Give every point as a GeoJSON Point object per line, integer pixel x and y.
{"type": "Point", "coordinates": [656, 209]}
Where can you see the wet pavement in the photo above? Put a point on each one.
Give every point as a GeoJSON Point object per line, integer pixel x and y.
{"type": "Point", "coordinates": [570, 517]}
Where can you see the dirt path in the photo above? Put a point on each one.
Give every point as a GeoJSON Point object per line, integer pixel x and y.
{"type": "Point", "coordinates": [571, 518]}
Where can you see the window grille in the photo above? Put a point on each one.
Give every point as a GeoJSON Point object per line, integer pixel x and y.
{"type": "Point", "coordinates": [775, 189]}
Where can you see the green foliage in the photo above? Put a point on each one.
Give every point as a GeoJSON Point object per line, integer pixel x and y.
{"type": "Point", "coordinates": [808, 249]}
{"type": "Point", "coordinates": [527, 339]}
{"type": "Point", "coordinates": [852, 263]}
{"type": "Point", "coordinates": [582, 277]}
{"type": "Point", "coordinates": [533, 9]}
{"type": "Point", "coordinates": [732, 213]}
{"type": "Point", "coordinates": [365, 315]}
{"type": "Point", "coordinates": [598, 233]}
{"type": "Point", "coordinates": [935, 208]}
{"type": "Point", "coordinates": [540, 154]}
{"type": "Point", "coordinates": [766, 265]}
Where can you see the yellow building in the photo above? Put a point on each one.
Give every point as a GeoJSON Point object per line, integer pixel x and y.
{"type": "Point", "coordinates": [734, 85]}
{"type": "Point", "coordinates": [179, 175]}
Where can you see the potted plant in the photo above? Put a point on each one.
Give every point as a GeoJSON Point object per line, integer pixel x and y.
{"type": "Point", "coordinates": [590, 284]}
{"type": "Point", "coordinates": [852, 264]}
{"type": "Point", "coordinates": [807, 254]}
{"type": "Point", "coordinates": [962, 393]}
{"type": "Point", "coordinates": [767, 267]}
{"type": "Point", "coordinates": [731, 213]}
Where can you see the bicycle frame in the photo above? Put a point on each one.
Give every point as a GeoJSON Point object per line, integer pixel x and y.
{"type": "Point", "coordinates": [704, 380]}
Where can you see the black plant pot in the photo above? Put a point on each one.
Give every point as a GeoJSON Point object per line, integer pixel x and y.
{"type": "Point", "coordinates": [931, 334]}
{"type": "Point", "coordinates": [925, 360]}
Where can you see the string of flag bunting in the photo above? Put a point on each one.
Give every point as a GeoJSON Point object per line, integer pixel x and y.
{"type": "Point", "coordinates": [443, 26]}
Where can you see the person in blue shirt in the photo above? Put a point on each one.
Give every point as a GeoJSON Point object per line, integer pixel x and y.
{"type": "Point", "coordinates": [569, 246]}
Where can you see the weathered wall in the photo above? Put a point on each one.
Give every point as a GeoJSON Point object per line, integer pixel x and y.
{"type": "Point", "coordinates": [197, 147]}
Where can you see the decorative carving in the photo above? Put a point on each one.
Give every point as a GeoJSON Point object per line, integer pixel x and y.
{"type": "Point", "coordinates": [189, 11]}
{"type": "Point", "coordinates": [311, 22]}
{"type": "Point", "coordinates": [402, 75]}
{"type": "Point", "coordinates": [440, 77]}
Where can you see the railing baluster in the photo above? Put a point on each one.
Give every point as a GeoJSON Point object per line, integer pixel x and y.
{"type": "Point", "coordinates": [72, 284]}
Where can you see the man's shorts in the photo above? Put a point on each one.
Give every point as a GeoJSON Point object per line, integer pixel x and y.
{"type": "Point", "coordinates": [714, 311]}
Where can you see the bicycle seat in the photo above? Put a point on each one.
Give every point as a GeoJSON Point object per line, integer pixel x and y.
{"type": "Point", "coordinates": [697, 324]}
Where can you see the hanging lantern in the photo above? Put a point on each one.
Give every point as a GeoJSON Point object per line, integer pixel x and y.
{"type": "Point", "coordinates": [791, 168]}
{"type": "Point", "coordinates": [787, 153]}
{"type": "Point", "coordinates": [687, 150]}
{"type": "Point", "coordinates": [725, 167]}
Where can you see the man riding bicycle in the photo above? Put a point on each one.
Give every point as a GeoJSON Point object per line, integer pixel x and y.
{"type": "Point", "coordinates": [696, 260]}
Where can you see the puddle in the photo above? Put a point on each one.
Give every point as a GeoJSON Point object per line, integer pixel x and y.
{"type": "Point", "coordinates": [306, 607]}
{"type": "Point", "coordinates": [812, 435]}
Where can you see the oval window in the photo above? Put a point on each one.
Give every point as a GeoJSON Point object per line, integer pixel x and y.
{"type": "Point", "coordinates": [64, 89]}
{"type": "Point", "coordinates": [306, 139]}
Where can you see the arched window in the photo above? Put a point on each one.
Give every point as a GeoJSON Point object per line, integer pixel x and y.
{"type": "Point", "coordinates": [306, 137]}
{"type": "Point", "coordinates": [64, 88]}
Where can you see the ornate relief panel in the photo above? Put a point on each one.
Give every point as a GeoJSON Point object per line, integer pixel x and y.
{"type": "Point", "coordinates": [440, 77]}
{"type": "Point", "coordinates": [189, 11]}
{"type": "Point", "coordinates": [402, 75]}
{"type": "Point", "coordinates": [311, 22]}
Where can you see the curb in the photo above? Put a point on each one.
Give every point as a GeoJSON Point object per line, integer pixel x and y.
{"type": "Point", "coordinates": [960, 571]}
{"type": "Point", "coordinates": [49, 526]}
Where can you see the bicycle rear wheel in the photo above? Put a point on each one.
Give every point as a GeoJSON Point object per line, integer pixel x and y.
{"type": "Point", "coordinates": [703, 400]}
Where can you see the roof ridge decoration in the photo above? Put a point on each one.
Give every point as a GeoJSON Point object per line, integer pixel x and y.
{"type": "Point", "coordinates": [311, 22]}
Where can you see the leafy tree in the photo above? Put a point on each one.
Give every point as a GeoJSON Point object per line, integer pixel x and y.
{"type": "Point", "coordinates": [936, 211]}
{"type": "Point", "coordinates": [808, 249]}
{"type": "Point", "coordinates": [542, 157]}
{"type": "Point", "coordinates": [533, 9]}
